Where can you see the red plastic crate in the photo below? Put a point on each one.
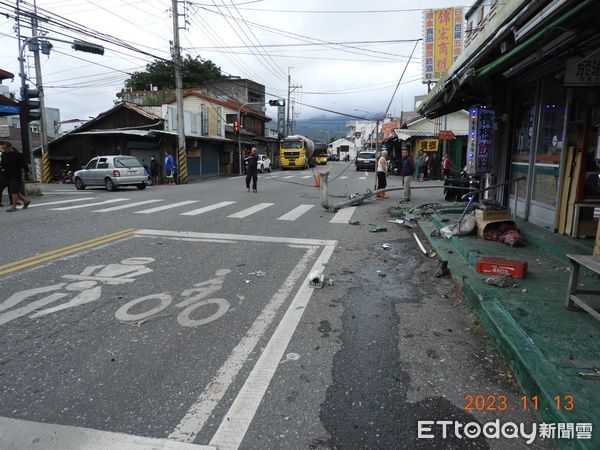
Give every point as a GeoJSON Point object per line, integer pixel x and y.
{"type": "Point", "coordinates": [500, 266]}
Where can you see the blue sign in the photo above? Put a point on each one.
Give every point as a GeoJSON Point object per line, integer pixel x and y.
{"type": "Point", "coordinates": [7, 110]}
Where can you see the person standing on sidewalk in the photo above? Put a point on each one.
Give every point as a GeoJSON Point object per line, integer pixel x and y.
{"type": "Point", "coordinates": [3, 180]}
{"type": "Point", "coordinates": [154, 170]}
{"type": "Point", "coordinates": [252, 169]}
{"type": "Point", "coordinates": [169, 167]}
{"type": "Point", "coordinates": [407, 168]}
{"type": "Point", "coordinates": [13, 164]}
{"type": "Point", "coordinates": [382, 171]}
{"type": "Point", "coordinates": [446, 165]}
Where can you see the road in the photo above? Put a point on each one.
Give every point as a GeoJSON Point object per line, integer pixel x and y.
{"type": "Point", "coordinates": [182, 317]}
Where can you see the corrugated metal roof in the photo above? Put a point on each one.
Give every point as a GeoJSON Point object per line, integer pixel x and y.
{"type": "Point", "coordinates": [405, 135]}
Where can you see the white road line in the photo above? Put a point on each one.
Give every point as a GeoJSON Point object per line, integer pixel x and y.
{"type": "Point", "coordinates": [163, 208]}
{"type": "Point", "coordinates": [343, 215]}
{"type": "Point", "coordinates": [296, 212]}
{"type": "Point", "coordinates": [87, 205]}
{"type": "Point", "coordinates": [233, 428]}
{"type": "Point", "coordinates": [362, 178]}
{"type": "Point", "coordinates": [188, 428]}
{"type": "Point", "coordinates": [21, 434]}
{"type": "Point", "coordinates": [236, 237]}
{"type": "Point", "coordinates": [196, 212]}
{"type": "Point", "coordinates": [306, 176]}
{"type": "Point", "coordinates": [343, 177]}
{"type": "Point", "coordinates": [60, 202]}
{"type": "Point", "coordinates": [64, 193]}
{"type": "Point", "coordinates": [128, 205]}
{"type": "Point", "coordinates": [289, 176]}
{"type": "Point", "coordinates": [249, 211]}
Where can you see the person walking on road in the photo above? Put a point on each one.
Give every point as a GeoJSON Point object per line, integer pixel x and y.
{"type": "Point", "coordinates": [382, 171]}
{"type": "Point", "coordinates": [154, 170]}
{"type": "Point", "coordinates": [169, 168]}
{"type": "Point", "coordinates": [424, 166]}
{"type": "Point", "coordinates": [13, 164]}
{"type": "Point", "coordinates": [3, 180]}
{"type": "Point", "coordinates": [407, 169]}
{"type": "Point", "coordinates": [252, 169]}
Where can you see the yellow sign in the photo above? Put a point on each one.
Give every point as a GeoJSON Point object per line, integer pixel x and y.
{"type": "Point", "coordinates": [442, 41]}
{"type": "Point", "coordinates": [428, 145]}
{"type": "Point", "coordinates": [444, 22]}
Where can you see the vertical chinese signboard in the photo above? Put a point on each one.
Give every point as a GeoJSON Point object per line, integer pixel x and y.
{"type": "Point", "coordinates": [480, 146]}
{"type": "Point", "coordinates": [443, 41]}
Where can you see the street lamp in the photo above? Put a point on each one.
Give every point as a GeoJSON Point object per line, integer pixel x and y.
{"type": "Point", "coordinates": [239, 117]}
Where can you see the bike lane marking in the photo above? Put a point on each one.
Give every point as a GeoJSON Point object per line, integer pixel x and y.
{"type": "Point", "coordinates": [64, 251]}
{"type": "Point", "coordinates": [236, 422]}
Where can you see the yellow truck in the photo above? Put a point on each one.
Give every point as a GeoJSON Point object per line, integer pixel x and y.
{"type": "Point", "coordinates": [296, 152]}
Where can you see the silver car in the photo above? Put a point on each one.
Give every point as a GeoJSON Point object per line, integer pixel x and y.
{"type": "Point", "coordinates": [111, 172]}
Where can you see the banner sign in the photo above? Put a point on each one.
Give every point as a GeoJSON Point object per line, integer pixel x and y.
{"type": "Point", "coordinates": [583, 71]}
{"type": "Point", "coordinates": [9, 110]}
{"type": "Point", "coordinates": [480, 145]}
{"type": "Point", "coordinates": [428, 145]}
{"type": "Point", "coordinates": [388, 128]}
{"type": "Point", "coordinates": [442, 41]}
{"type": "Point", "coordinates": [281, 120]}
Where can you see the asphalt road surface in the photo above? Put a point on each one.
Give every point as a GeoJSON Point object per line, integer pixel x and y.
{"type": "Point", "coordinates": [182, 317]}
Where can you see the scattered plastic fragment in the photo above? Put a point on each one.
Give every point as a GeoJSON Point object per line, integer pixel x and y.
{"type": "Point", "coordinates": [246, 281]}
{"type": "Point", "coordinates": [420, 244]}
{"type": "Point", "coordinates": [330, 282]}
{"type": "Point", "coordinates": [354, 222]}
{"type": "Point", "coordinates": [315, 280]}
{"type": "Point", "coordinates": [258, 273]}
{"type": "Point", "coordinates": [524, 291]}
{"type": "Point", "coordinates": [386, 246]}
{"type": "Point", "coordinates": [500, 281]}
{"type": "Point", "coordinates": [435, 233]}
{"type": "Point", "coordinates": [377, 229]}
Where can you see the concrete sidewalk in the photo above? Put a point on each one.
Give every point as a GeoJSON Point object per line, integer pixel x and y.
{"type": "Point", "coordinates": [545, 344]}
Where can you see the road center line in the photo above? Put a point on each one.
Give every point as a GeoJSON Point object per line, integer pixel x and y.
{"type": "Point", "coordinates": [233, 428]}
{"type": "Point", "coordinates": [195, 419]}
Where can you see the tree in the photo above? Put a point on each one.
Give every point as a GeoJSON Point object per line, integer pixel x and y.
{"type": "Point", "coordinates": [161, 74]}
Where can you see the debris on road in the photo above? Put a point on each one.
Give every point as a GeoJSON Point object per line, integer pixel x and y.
{"type": "Point", "coordinates": [246, 281]}
{"type": "Point", "coordinates": [465, 227]}
{"type": "Point", "coordinates": [330, 282]}
{"type": "Point", "coordinates": [258, 273]}
{"type": "Point", "coordinates": [420, 244]}
{"type": "Point", "coordinates": [377, 229]}
{"type": "Point", "coordinates": [291, 357]}
{"type": "Point", "coordinates": [500, 281]}
{"type": "Point", "coordinates": [354, 222]}
{"type": "Point", "coordinates": [381, 274]}
{"type": "Point", "coordinates": [315, 280]}
{"type": "Point", "coordinates": [386, 246]}
{"type": "Point", "coordinates": [435, 233]}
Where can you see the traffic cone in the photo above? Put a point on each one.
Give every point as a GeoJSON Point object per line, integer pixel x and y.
{"type": "Point", "coordinates": [317, 180]}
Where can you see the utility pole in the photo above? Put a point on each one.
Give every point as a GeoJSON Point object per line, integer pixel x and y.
{"type": "Point", "coordinates": [288, 123]}
{"type": "Point", "coordinates": [46, 177]}
{"type": "Point", "coordinates": [181, 150]}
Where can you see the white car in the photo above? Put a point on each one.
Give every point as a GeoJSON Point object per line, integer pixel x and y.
{"type": "Point", "coordinates": [264, 163]}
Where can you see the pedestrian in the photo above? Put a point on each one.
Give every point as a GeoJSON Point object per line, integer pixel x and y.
{"type": "Point", "coordinates": [382, 171]}
{"type": "Point", "coordinates": [446, 165]}
{"type": "Point", "coordinates": [154, 169]}
{"type": "Point", "coordinates": [424, 166]}
{"type": "Point", "coordinates": [252, 169]}
{"type": "Point", "coordinates": [13, 164]}
{"type": "Point", "coordinates": [3, 180]}
{"type": "Point", "coordinates": [169, 166]}
{"type": "Point", "coordinates": [407, 169]}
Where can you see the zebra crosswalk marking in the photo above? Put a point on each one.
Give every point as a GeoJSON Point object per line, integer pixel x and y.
{"type": "Point", "coordinates": [296, 212]}
{"type": "Point", "coordinates": [196, 212]}
{"type": "Point", "coordinates": [60, 202]}
{"type": "Point", "coordinates": [249, 211]}
{"type": "Point", "coordinates": [343, 215]}
{"type": "Point", "coordinates": [87, 205]}
{"type": "Point", "coordinates": [128, 205]}
{"type": "Point", "coordinates": [164, 207]}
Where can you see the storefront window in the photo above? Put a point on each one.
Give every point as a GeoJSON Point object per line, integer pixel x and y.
{"type": "Point", "coordinates": [523, 137]}
{"type": "Point", "coordinates": [550, 142]}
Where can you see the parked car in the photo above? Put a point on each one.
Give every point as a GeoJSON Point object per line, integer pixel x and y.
{"type": "Point", "coordinates": [334, 157]}
{"type": "Point", "coordinates": [111, 172]}
{"type": "Point", "coordinates": [365, 161]}
{"type": "Point", "coordinates": [264, 163]}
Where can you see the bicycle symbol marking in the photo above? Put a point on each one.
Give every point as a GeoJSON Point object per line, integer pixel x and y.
{"type": "Point", "coordinates": [194, 299]}
{"type": "Point", "coordinates": [86, 287]}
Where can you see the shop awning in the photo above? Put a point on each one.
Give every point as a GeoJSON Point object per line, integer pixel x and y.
{"type": "Point", "coordinates": [405, 135]}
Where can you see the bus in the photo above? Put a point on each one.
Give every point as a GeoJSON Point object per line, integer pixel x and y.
{"type": "Point", "coordinates": [321, 154]}
{"type": "Point", "coordinates": [296, 152]}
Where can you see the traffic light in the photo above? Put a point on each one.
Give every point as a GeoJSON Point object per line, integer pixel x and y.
{"type": "Point", "coordinates": [30, 105]}
{"type": "Point", "coordinates": [87, 47]}
{"type": "Point", "coordinates": [236, 127]}
{"type": "Point", "coordinates": [278, 102]}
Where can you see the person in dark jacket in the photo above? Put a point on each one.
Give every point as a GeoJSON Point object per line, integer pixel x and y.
{"type": "Point", "coordinates": [3, 181]}
{"type": "Point", "coordinates": [252, 169]}
{"type": "Point", "coordinates": [13, 164]}
{"type": "Point", "coordinates": [407, 169]}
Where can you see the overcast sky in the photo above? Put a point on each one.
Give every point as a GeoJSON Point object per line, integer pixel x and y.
{"type": "Point", "coordinates": [356, 78]}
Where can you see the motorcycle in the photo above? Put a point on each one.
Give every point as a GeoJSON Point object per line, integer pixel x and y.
{"type": "Point", "coordinates": [66, 175]}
